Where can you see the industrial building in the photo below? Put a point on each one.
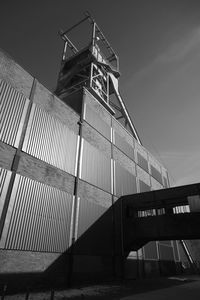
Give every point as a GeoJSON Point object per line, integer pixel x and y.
{"type": "Point", "coordinates": [65, 159]}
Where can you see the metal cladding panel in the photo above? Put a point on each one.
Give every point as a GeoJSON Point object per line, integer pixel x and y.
{"type": "Point", "coordinates": [122, 132]}
{"type": "Point", "coordinates": [144, 187]}
{"type": "Point", "coordinates": [142, 162]}
{"type": "Point", "coordinates": [176, 255]}
{"type": "Point", "coordinates": [57, 108]}
{"type": "Point", "coordinates": [155, 184]}
{"type": "Point", "coordinates": [121, 143]}
{"type": "Point", "coordinates": [166, 253]}
{"type": "Point", "coordinates": [124, 160]}
{"type": "Point", "coordinates": [50, 140]}
{"type": "Point", "coordinates": [97, 122]}
{"type": "Point", "coordinates": [125, 182]}
{"type": "Point", "coordinates": [89, 213]}
{"type": "Point", "coordinates": [143, 176]}
{"type": "Point", "coordinates": [95, 216]}
{"type": "Point", "coordinates": [4, 181]}
{"type": "Point", "coordinates": [156, 174]}
{"type": "Point", "coordinates": [93, 137]}
{"type": "Point", "coordinates": [13, 106]}
{"type": "Point", "coordinates": [150, 251]}
{"type": "Point", "coordinates": [96, 167]}
{"type": "Point", "coordinates": [39, 217]}
{"type": "Point", "coordinates": [165, 182]}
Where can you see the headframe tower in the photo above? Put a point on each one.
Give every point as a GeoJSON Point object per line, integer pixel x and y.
{"type": "Point", "coordinates": [96, 67]}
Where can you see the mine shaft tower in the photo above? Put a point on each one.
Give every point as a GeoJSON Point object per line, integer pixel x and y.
{"type": "Point", "coordinates": [96, 67]}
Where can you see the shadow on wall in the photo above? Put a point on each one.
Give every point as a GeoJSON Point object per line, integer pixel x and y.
{"type": "Point", "coordinates": [99, 254]}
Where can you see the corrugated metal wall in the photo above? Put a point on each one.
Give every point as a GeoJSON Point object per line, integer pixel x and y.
{"type": "Point", "coordinates": [144, 187]}
{"type": "Point", "coordinates": [155, 184]}
{"type": "Point", "coordinates": [142, 162]}
{"type": "Point", "coordinates": [123, 145]}
{"type": "Point", "coordinates": [92, 233]}
{"type": "Point", "coordinates": [13, 106]}
{"type": "Point", "coordinates": [143, 176]}
{"type": "Point", "coordinates": [89, 213]}
{"type": "Point", "coordinates": [166, 252]}
{"type": "Point", "coordinates": [165, 182]}
{"type": "Point", "coordinates": [151, 251]}
{"type": "Point", "coordinates": [4, 181]}
{"type": "Point", "coordinates": [40, 217]}
{"type": "Point", "coordinates": [50, 140]}
{"type": "Point", "coordinates": [125, 182]}
{"type": "Point", "coordinates": [176, 253]}
{"type": "Point", "coordinates": [96, 167]}
{"type": "Point", "coordinates": [97, 122]}
{"type": "Point", "coordinates": [156, 174]}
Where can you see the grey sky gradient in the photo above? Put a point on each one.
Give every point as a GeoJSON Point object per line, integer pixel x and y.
{"type": "Point", "coordinates": [158, 43]}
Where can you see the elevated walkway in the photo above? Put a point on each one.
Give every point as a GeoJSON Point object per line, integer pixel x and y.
{"type": "Point", "coordinates": [169, 214]}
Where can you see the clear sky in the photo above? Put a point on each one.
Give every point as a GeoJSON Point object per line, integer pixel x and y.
{"type": "Point", "coordinates": [158, 43]}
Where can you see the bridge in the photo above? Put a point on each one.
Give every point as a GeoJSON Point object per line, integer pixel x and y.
{"type": "Point", "coordinates": [168, 214]}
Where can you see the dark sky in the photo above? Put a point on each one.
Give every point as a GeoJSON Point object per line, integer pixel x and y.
{"type": "Point", "coordinates": [158, 43]}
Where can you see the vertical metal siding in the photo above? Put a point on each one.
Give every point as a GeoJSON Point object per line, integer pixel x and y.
{"type": "Point", "coordinates": [93, 119]}
{"type": "Point", "coordinates": [89, 213]}
{"type": "Point", "coordinates": [96, 167]}
{"type": "Point", "coordinates": [4, 181]}
{"type": "Point", "coordinates": [40, 219]}
{"type": "Point", "coordinates": [13, 106]}
{"type": "Point", "coordinates": [165, 182]}
{"type": "Point", "coordinates": [50, 140]}
{"type": "Point", "coordinates": [142, 162]}
{"type": "Point", "coordinates": [3, 174]}
{"type": "Point", "coordinates": [144, 187]}
{"type": "Point", "coordinates": [125, 182]}
{"type": "Point", "coordinates": [156, 174]}
{"type": "Point", "coordinates": [123, 145]}
{"type": "Point", "coordinates": [176, 253]}
{"type": "Point", "coordinates": [155, 184]}
{"type": "Point", "coordinates": [150, 251]}
{"type": "Point", "coordinates": [166, 253]}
